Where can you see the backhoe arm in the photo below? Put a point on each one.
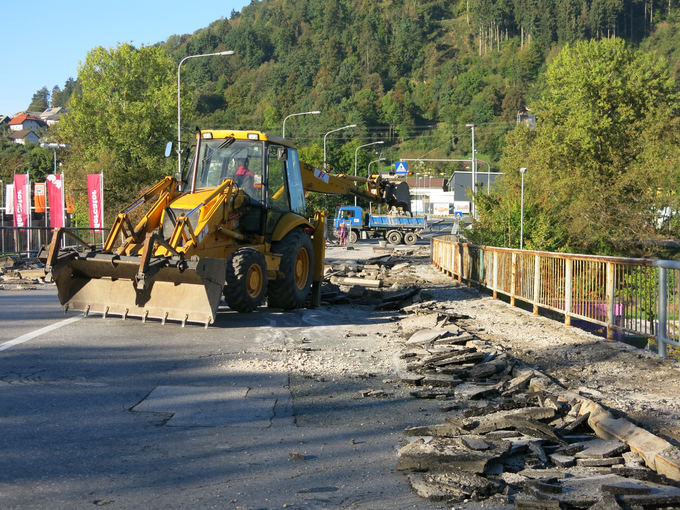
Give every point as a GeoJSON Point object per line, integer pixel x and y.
{"type": "Point", "coordinates": [374, 189]}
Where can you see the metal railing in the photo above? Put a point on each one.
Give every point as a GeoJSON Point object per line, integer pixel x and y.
{"type": "Point", "coordinates": [669, 306]}
{"type": "Point", "coordinates": [29, 240]}
{"type": "Point", "coordinates": [621, 294]}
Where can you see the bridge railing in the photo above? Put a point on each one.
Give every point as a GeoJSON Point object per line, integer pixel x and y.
{"type": "Point", "coordinates": [14, 240]}
{"type": "Point", "coordinates": [621, 294]}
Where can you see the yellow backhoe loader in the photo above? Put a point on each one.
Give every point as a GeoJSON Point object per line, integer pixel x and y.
{"type": "Point", "coordinates": [233, 225]}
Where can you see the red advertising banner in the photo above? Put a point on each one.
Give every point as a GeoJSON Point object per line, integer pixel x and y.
{"type": "Point", "coordinates": [22, 200]}
{"type": "Point", "coordinates": [55, 197]}
{"type": "Point", "coordinates": [39, 197]}
{"type": "Point", "coordinates": [94, 195]}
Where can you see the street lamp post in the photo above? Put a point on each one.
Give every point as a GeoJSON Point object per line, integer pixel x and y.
{"type": "Point", "coordinates": [356, 153]}
{"type": "Point", "coordinates": [179, 107]}
{"type": "Point", "coordinates": [324, 141]}
{"type": "Point", "coordinates": [374, 161]}
{"type": "Point", "coordinates": [521, 214]}
{"type": "Point", "coordinates": [283, 135]}
{"type": "Point", "coordinates": [54, 147]}
{"type": "Point", "coordinates": [417, 175]}
{"type": "Point", "coordinates": [474, 168]}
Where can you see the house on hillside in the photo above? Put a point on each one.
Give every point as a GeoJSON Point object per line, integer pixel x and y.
{"type": "Point", "coordinates": [24, 137]}
{"type": "Point", "coordinates": [51, 115]}
{"type": "Point", "coordinates": [26, 122]}
{"type": "Point", "coordinates": [4, 119]}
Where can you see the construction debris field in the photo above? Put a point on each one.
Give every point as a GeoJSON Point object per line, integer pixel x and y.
{"type": "Point", "coordinates": [308, 409]}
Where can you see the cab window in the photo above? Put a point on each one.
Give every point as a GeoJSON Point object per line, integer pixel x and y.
{"type": "Point", "coordinates": [277, 189]}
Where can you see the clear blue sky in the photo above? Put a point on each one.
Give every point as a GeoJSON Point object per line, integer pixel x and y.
{"type": "Point", "coordinates": [45, 41]}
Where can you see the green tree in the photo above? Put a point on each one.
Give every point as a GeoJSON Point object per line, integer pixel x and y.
{"type": "Point", "coordinates": [604, 152]}
{"type": "Point", "coordinates": [122, 119]}
{"type": "Point", "coordinates": [40, 100]}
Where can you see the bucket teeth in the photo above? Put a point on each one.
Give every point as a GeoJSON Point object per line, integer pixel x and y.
{"type": "Point", "coordinates": [125, 312]}
{"type": "Point", "coordinates": [184, 321]}
{"type": "Point", "coordinates": [106, 311]}
{"type": "Point", "coordinates": [146, 314]}
{"type": "Point", "coordinates": [86, 311]}
{"type": "Point", "coordinates": [165, 316]}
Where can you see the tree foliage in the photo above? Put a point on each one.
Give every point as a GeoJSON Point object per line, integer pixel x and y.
{"type": "Point", "coordinates": [40, 100]}
{"type": "Point", "coordinates": [123, 118]}
{"type": "Point", "coordinates": [603, 159]}
{"type": "Point", "coordinates": [413, 74]}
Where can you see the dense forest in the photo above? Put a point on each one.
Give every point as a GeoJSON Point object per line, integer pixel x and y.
{"type": "Point", "coordinates": [410, 73]}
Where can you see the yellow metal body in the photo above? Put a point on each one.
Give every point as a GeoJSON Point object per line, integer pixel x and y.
{"type": "Point", "coordinates": [172, 264]}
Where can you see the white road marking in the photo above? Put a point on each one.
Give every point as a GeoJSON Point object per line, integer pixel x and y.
{"type": "Point", "coordinates": [38, 332]}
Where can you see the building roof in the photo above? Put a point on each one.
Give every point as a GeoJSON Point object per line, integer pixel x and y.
{"type": "Point", "coordinates": [55, 111]}
{"type": "Point", "coordinates": [20, 134]}
{"type": "Point", "coordinates": [20, 119]}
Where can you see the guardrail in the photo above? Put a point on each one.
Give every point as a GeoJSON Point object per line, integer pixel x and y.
{"type": "Point", "coordinates": [15, 240]}
{"type": "Point", "coordinates": [621, 294]}
{"type": "Point", "coordinates": [669, 305]}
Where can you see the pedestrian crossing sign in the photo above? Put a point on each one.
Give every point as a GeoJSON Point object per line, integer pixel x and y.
{"type": "Point", "coordinates": [401, 168]}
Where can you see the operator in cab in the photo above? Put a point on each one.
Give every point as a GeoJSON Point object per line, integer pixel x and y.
{"type": "Point", "coordinates": [244, 177]}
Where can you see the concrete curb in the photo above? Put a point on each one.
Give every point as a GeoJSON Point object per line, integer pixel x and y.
{"type": "Point", "coordinates": [657, 452]}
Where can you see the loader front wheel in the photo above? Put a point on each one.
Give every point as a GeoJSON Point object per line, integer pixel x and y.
{"type": "Point", "coordinates": [246, 280]}
{"type": "Point", "coordinates": [297, 265]}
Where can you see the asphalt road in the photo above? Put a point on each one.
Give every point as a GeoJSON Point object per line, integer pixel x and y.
{"type": "Point", "coordinates": [128, 415]}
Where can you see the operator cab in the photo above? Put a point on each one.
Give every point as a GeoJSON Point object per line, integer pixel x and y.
{"type": "Point", "coordinates": [266, 168]}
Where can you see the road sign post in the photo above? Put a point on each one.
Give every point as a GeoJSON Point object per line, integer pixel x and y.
{"type": "Point", "coordinates": [401, 168]}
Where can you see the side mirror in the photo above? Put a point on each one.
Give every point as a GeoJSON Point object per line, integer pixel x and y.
{"type": "Point", "coordinates": [168, 149]}
{"type": "Point", "coordinates": [282, 154]}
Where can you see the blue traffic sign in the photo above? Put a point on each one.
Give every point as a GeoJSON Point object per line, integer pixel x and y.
{"type": "Point", "coordinates": [401, 168]}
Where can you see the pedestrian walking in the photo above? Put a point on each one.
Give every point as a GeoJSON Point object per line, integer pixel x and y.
{"type": "Point", "coordinates": [342, 234]}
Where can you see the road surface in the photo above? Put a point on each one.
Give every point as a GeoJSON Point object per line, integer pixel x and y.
{"type": "Point", "coordinates": [128, 415]}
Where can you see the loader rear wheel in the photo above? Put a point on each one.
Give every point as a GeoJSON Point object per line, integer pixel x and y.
{"type": "Point", "coordinates": [410, 238]}
{"type": "Point", "coordinates": [297, 265]}
{"type": "Point", "coordinates": [394, 237]}
{"type": "Point", "coordinates": [246, 280]}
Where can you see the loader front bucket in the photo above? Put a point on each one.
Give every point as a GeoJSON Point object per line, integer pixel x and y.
{"type": "Point", "coordinates": [174, 289]}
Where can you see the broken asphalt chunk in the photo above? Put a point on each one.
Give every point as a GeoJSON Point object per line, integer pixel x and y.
{"type": "Point", "coordinates": [449, 454]}
{"type": "Point", "coordinates": [600, 449]}
{"type": "Point", "coordinates": [454, 486]}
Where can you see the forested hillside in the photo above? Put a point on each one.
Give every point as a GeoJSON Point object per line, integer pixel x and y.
{"type": "Point", "coordinates": [410, 73]}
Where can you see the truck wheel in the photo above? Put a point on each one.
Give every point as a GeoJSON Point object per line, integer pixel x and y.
{"type": "Point", "coordinates": [246, 280]}
{"type": "Point", "coordinates": [353, 237]}
{"type": "Point", "coordinates": [410, 238]}
{"type": "Point", "coordinates": [297, 265]}
{"type": "Point", "coordinates": [394, 237]}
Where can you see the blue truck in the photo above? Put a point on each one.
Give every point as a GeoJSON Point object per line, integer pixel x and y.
{"type": "Point", "coordinates": [395, 227]}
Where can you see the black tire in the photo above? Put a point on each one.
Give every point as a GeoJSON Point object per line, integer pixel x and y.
{"type": "Point", "coordinates": [297, 265]}
{"type": "Point", "coordinates": [353, 237]}
{"type": "Point", "coordinates": [246, 280]}
{"type": "Point", "coordinates": [393, 237]}
{"type": "Point", "coordinates": [410, 238]}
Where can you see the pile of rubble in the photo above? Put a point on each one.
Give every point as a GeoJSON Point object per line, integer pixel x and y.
{"type": "Point", "coordinates": [20, 273]}
{"type": "Point", "coordinates": [513, 435]}
{"type": "Point", "coordinates": [385, 281]}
